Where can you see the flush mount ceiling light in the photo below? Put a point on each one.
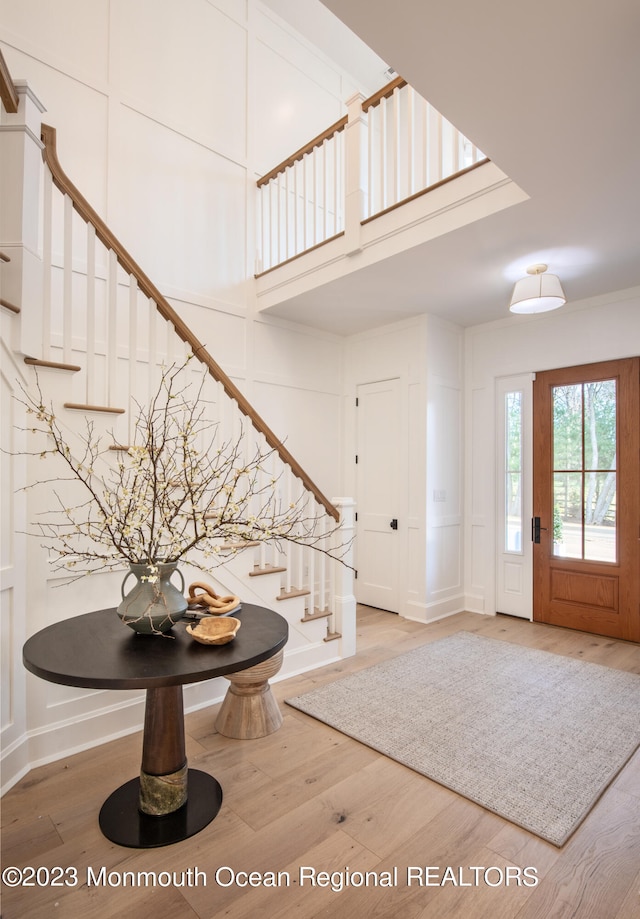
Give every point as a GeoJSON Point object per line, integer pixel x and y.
{"type": "Point", "coordinates": [537, 293]}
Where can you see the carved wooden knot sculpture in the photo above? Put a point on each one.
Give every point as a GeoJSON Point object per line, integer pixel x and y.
{"type": "Point", "coordinates": [203, 596]}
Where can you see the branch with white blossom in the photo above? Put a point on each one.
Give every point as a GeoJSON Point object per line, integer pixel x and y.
{"type": "Point", "coordinates": [178, 488]}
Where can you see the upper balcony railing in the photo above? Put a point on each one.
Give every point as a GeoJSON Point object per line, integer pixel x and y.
{"type": "Point", "coordinates": [387, 150]}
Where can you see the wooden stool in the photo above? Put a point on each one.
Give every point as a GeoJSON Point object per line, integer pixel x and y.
{"type": "Point", "coordinates": [249, 709]}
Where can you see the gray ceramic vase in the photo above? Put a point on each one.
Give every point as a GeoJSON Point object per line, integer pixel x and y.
{"type": "Point", "coordinates": [153, 605]}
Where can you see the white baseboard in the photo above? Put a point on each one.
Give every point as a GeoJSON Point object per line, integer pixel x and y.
{"type": "Point", "coordinates": [14, 763]}
{"type": "Point", "coordinates": [432, 612]}
{"type": "Point", "coordinates": [475, 603]}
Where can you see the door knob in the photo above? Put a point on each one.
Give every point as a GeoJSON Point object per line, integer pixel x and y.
{"type": "Point", "coordinates": [394, 524]}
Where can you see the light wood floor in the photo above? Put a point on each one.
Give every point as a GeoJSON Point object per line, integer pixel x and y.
{"type": "Point", "coordinates": [309, 796]}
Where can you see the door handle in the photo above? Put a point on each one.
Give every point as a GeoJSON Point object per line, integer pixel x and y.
{"type": "Point", "coordinates": [535, 529]}
{"type": "Point", "coordinates": [394, 524]}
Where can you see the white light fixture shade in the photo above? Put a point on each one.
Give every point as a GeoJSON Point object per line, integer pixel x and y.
{"type": "Point", "coordinates": [537, 293]}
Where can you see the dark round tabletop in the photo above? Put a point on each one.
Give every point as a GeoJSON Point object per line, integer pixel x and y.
{"type": "Point", "coordinates": [98, 651]}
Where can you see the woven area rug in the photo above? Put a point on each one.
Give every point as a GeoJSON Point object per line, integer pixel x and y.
{"type": "Point", "coordinates": [532, 736]}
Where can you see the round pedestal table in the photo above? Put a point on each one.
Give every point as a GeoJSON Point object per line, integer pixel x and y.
{"type": "Point", "coordinates": [168, 801]}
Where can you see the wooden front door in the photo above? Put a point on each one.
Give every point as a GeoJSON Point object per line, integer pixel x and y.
{"type": "Point", "coordinates": [586, 498]}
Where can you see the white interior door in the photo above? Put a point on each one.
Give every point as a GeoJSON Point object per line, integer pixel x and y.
{"type": "Point", "coordinates": [378, 495]}
{"type": "Point", "coordinates": [514, 576]}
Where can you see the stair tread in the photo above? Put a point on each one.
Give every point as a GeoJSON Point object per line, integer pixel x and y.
{"type": "Point", "coordinates": [332, 636]}
{"type": "Point", "coordinates": [4, 257]}
{"type": "Point", "coordinates": [9, 306]}
{"type": "Point", "coordinates": [53, 365]}
{"type": "Point", "coordinates": [266, 570]}
{"type": "Point", "coordinates": [294, 592]}
{"type": "Point", "coordinates": [316, 614]}
{"type": "Point", "coordinates": [236, 545]}
{"type": "Point", "coordinates": [76, 406]}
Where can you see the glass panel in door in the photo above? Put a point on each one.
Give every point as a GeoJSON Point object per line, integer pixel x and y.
{"type": "Point", "coordinates": [513, 472]}
{"type": "Point", "coordinates": [584, 471]}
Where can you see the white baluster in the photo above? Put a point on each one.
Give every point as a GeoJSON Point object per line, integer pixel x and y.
{"type": "Point", "coordinates": [152, 346]}
{"type": "Point", "coordinates": [261, 479]}
{"type": "Point", "coordinates": [325, 194]}
{"type": "Point", "coordinates": [436, 146]}
{"type": "Point", "coordinates": [336, 178]}
{"type": "Point", "coordinates": [47, 211]}
{"type": "Point", "coordinates": [287, 491]}
{"type": "Point", "coordinates": [305, 200]}
{"type": "Point", "coordinates": [411, 140]}
{"type": "Point", "coordinates": [91, 315]}
{"type": "Point", "coordinates": [266, 226]}
{"type": "Point", "coordinates": [343, 178]}
{"type": "Point", "coordinates": [178, 349]}
{"type": "Point", "coordinates": [331, 592]}
{"type": "Point", "coordinates": [314, 204]}
{"type": "Point", "coordinates": [279, 220]}
{"type": "Point", "coordinates": [174, 350]}
{"type": "Point", "coordinates": [133, 351]}
{"type": "Point", "coordinates": [382, 164]}
{"type": "Point", "coordinates": [169, 349]}
{"type": "Point", "coordinates": [424, 152]}
{"type": "Point", "coordinates": [396, 145]}
{"type": "Point", "coordinates": [300, 573]}
{"type": "Point", "coordinates": [322, 562]}
{"type": "Point", "coordinates": [111, 357]}
{"type": "Point", "coordinates": [67, 284]}
{"type": "Point", "coordinates": [371, 188]}
{"type": "Point", "coordinates": [260, 222]}
{"type": "Point", "coordinates": [455, 151]}
{"type": "Point", "coordinates": [273, 234]}
{"type": "Point", "coordinates": [275, 482]}
{"type": "Point", "coordinates": [296, 227]}
{"type": "Point", "coordinates": [287, 231]}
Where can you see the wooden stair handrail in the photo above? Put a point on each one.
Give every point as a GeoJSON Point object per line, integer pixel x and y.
{"type": "Point", "coordinates": [8, 92]}
{"type": "Point", "coordinates": [298, 155]}
{"type": "Point", "coordinates": [383, 93]}
{"type": "Point", "coordinates": [339, 125]}
{"type": "Point", "coordinates": [104, 234]}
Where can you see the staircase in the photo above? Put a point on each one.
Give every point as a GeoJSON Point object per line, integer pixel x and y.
{"type": "Point", "coordinates": [81, 318]}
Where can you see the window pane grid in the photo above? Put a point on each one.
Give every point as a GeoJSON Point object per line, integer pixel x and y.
{"type": "Point", "coordinates": [584, 454]}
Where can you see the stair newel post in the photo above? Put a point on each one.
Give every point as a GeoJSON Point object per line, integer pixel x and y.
{"type": "Point", "coordinates": [344, 601]}
{"type": "Point", "coordinates": [356, 171]}
{"type": "Point", "coordinates": [20, 192]}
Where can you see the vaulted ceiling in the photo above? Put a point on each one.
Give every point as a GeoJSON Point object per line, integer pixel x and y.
{"type": "Point", "coordinates": [551, 93]}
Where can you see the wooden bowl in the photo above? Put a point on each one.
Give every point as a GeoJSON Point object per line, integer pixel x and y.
{"type": "Point", "coordinates": [216, 631]}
